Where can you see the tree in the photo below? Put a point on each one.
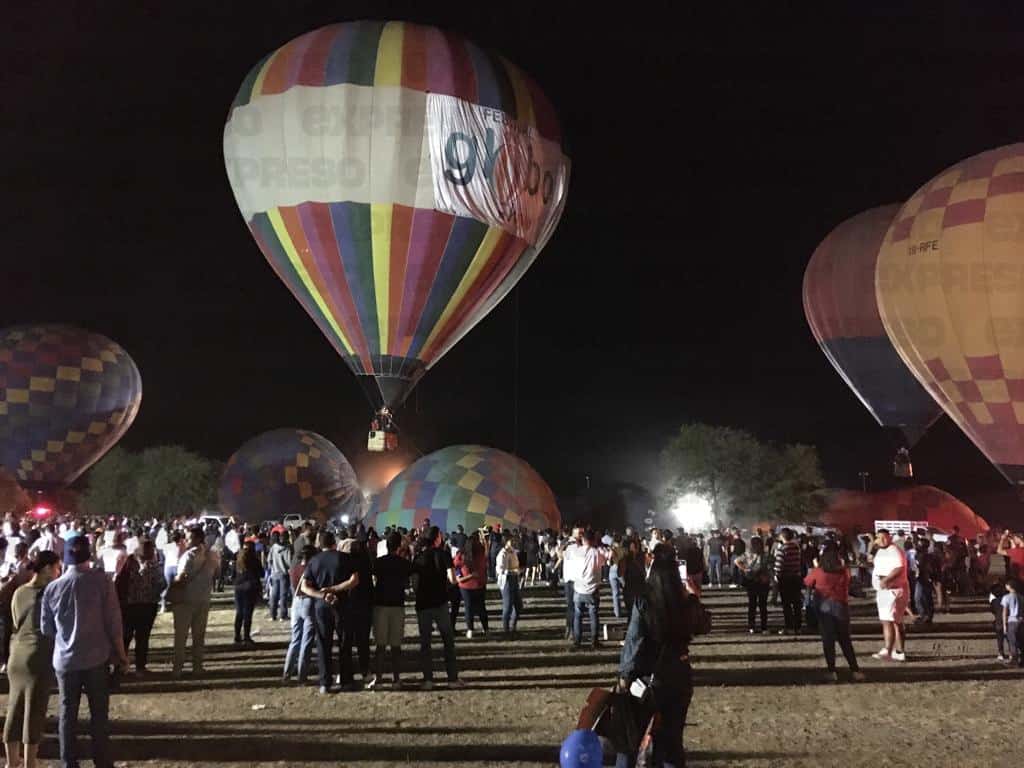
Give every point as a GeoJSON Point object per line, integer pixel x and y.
{"type": "Point", "coordinates": [744, 479]}
{"type": "Point", "coordinates": [162, 482]}
{"type": "Point", "coordinates": [112, 485]}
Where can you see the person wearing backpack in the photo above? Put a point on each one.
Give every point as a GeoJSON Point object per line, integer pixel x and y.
{"type": "Point", "coordinates": [665, 618]}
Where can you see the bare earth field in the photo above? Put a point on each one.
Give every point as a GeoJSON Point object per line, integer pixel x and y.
{"type": "Point", "coordinates": [760, 700]}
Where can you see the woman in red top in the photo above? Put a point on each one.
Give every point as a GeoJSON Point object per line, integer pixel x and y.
{"type": "Point", "coordinates": [473, 582]}
{"type": "Point", "coordinates": [831, 580]}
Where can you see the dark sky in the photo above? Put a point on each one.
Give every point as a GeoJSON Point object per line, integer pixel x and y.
{"type": "Point", "coordinates": [712, 151]}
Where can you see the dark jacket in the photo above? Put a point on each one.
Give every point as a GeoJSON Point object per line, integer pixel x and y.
{"type": "Point", "coordinates": [643, 656]}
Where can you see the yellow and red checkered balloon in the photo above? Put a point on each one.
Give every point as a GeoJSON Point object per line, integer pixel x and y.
{"type": "Point", "coordinates": [66, 397]}
{"type": "Point", "coordinates": [950, 289]}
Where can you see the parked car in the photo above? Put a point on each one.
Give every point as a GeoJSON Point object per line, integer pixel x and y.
{"type": "Point", "coordinates": [294, 521]}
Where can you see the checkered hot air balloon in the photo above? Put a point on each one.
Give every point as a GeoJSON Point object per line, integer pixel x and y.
{"type": "Point", "coordinates": [66, 397]}
{"type": "Point", "coordinates": [841, 309]}
{"type": "Point", "coordinates": [467, 485]}
{"type": "Point", "coordinates": [400, 180]}
{"type": "Point", "coordinates": [950, 289]}
{"type": "Point", "coordinates": [288, 471]}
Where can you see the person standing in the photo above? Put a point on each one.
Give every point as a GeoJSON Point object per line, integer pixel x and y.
{"type": "Point", "coordinates": [1012, 621]}
{"type": "Point", "coordinates": [172, 554]}
{"type": "Point", "coordinates": [473, 582]}
{"type": "Point", "coordinates": [434, 571]}
{"type": "Point", "coordinates": [280, 560]}
{"type": "Point", "coordinates": [30, 669]}
{"type": "Point", "coordinates": [391, 574]}
{"type": "Point", "coordinates": [145, 585]}
{"type": "Point", "coordinates": [507, 569]}
{"type": "Point", "coordinates": [80, 613]}
{"type": "Point", "coordinates": [329, 575]}
{"type": "Point", "coordinates": [248, 581]}
{"type": "Point", "coordinates": [830, 578]}
{"type": "Point", "coordinates": [303, 626]}
{"type": "Point", "coordinates": [356, 608]}
{"type": "Point", "coordinates": [585, 589]}
{"type": "Point", "coordinates": [757, 578]}
{"type": "Point", "coordinates": [13, 574]}
{"type": "Point", "coordinates": [197, 569]}
{"type": "Point", "coordinates": [570, 557]}
{"type": "Point", "coordinates": [787, 576]}
{"type": "Point", "coordinates": [892, 595]}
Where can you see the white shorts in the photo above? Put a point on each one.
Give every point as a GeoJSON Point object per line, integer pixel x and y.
{"type": "Point", "coordinates": [892, 604]}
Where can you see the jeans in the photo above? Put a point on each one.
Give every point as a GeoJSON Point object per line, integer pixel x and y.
{"type": "Point", "coordinates": [356, 631]}
{"type": "Point", "coordinates": [834, 622]}
{"type": "Point", "coordinates": [329, 627]}
{"type": "Point", "coordinates": [570, 608]}
{"type": "Point", "coordinates": [138, 625]}
{"type": "Point", "coordinates": [190, 617]}
{"type": "Point", "coordinates": [300, 647]}
{"type": "Point", "coordinates": [616, 585]}
{"type": "Point", "coordinates": [474, 600]}
{"type": "Point", "coordinates": [790, 593]}
{"type": "Point", "coordinates": [757, 602]}
{"type": "Point", "coordinates": [454, 602]}
{"type": "Point", "coordinates": [170, 572]}
{"type": "Point", "coordinates": [1013, 641]}
{"type": "Point", "coordinates": [245, 606]}
{"type": "Point", "coordinates": [427, 619]}
{"type": "Point", "coordinates": [924, 600]}
{"type": "Point", "coordinates": [581, 602]}
{"type": "Point", "coordinates": [672, 704]}
{"type": "Point", "coordinates": [280, 595]}
{"type": "Point", "coordinates": [715, 571]}
{"type": "Point", "coordinates": [96, 683]}
{"type": "Point", "coordinates": [511, 602]}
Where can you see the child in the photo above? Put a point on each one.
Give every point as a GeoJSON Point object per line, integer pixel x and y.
{"type": "Point", "coordinates": [1011, 603]}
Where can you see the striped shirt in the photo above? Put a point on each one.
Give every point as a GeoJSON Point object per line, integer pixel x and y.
{"type": "Point", "coordinates": [787, 560]}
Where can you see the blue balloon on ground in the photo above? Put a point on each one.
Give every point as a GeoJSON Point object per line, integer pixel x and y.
{"type": "Point", "coordinates": [581, 749]}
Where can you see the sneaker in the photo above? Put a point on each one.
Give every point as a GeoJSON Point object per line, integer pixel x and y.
{"type": "Point", "coordinates": [456, 683]}
{"type": "Point", "coordinates": [832, 676]}
{"type": "Point", "coordinates": [1003, 659]}
{"type": "Point", "coordinates": [427, 685]}
{"type": "Point", "coordinates": [858, 677]}
{"type": "Point", "coordinates": [751, 631]}
{"type": "Point", "coordinates": [899, 656]}
{"type": "Point", "coordinates": [372, 683]}
{"type": "Point", "coordinates": [469, 634]}
{"type": "Point", "coordinates": [882, 655]}
{"type": "Point", "coordinates": [324, 690]}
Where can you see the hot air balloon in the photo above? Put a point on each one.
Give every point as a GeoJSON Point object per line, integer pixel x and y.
{"type": "Point", "coordinates": [289, 471]}
{"type": "Point", "coordinates": [399, 180]}
{"type": "Point", "coordinates": [467, 485]}
{"type": "Point", "coordinates": [950, 288]}
{"type": "Point", "coordinates": [66, 397]}
{"type": "Point", "coordinates": [841, 309]}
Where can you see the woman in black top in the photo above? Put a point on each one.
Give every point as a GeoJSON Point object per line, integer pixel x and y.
{"type": "Point", "coordinates": [656, 651]}
{"type": "Point", "coordinates": [248, 586]}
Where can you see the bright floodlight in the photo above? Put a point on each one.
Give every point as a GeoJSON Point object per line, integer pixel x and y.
{"type": "Point", "coordinates": [344, 519]}
{"type": "Point", "coordinates": [693, 512]}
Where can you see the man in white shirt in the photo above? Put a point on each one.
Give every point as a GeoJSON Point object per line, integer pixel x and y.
{"type": "Point", "coordinates": [590, 560]}
{"type": "Point", "coordinates": [892, 595]}
{"type": "Point", "coordinates": [48, 541]}
{"type": "Point", "coordinates": [569, 556]}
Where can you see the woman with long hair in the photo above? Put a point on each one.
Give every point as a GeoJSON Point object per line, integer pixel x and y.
{"type": "Point", "coordinates": [830, 578]}
{"type": "Point", "coordinates": [145, 585]}
{"type": "Point", "coordinates": [248, 582]}
{"type": "Point", "coordinates": [473, 582]}
{"type": "Point", "coordinates": [507, 568]}
{"type": "Point", "coordinates": [756, 569]}
{"type": "Point", "coordinates": [656, 651]}
{"type": "Point", "coordinates": [30, 668]}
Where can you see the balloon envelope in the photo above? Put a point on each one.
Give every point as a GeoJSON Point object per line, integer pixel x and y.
{"type": "Point", "coordinates": [842, 311]}
{"type": "Point", "coordinates": [399, 180]}
{"type": "Point", "coordinates": [467, 485]}
{"type": "Point", "coordinates": [288, 471]}
{"type": "Point", "coordinates": [854, 510]}
{"type": "Point", "coordinates": [951, 295]}
{"type": "Point", "coordinates": [66, 397]}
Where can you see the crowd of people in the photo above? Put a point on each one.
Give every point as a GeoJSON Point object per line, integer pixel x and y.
{"type": "Point", "coordinates": [76, 596]}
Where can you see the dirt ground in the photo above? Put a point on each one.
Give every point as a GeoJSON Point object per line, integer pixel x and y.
{"type": "Point", "coordinates": [759, 701]}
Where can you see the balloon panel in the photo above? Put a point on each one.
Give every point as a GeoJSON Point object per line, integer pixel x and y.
{"type": "Point", "coordinates": [467, 485]}
{"type": "Point", "coordinates": [951, 295]}
{"type": "Point", "coordinates": [847, 510]}
{"type": "Point", "coordinates": [842, 311]}
{"type": "Point", "coordinates": [66, 397]}
{"type": "Point", "coordinates": [287, 471]}
{"type": "Point", "coordinates": [399, 180]}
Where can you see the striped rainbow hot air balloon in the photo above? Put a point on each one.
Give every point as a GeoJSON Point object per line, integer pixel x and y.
{"type": "Point", "coordinates": [400, 180]}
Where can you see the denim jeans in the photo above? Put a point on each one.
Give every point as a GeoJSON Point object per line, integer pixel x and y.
{"type": "Point", "coordinates": [280, 595]}
{"type": "Point", "coordinates": [715, 571]}
{"type": "Point", "coordinates": [511, 602]}
{"type": "Point", "coordinates": [170, 572]}
{"type": "Point", "coordinates": [790, 591]}
{"type": "Point", "coordinates": [300, 647]}
{"type": "Point", "coordinates": [924, 600]}
{"type": "Point", "coordinates": [834, 621]}
{"type": "Point", "coordinates": [356, 632]}
{"type": "Point", "coordinates": [1013, 641]}
{"type": "Point", "coordinates": [328, 627]}
{"type": "Point", "coordinates": [474, 600]}
{"type": "Point", "coordinates": [581, 603]}
{"type": "Point", "coordinates": [96, 683]}
{"type": "Point", "coordinates": [616, 585]}
{"type": "Point", "coordinates": [570, 608]}
{"type": "Point", "coordinates": [757, 603]}
{"type": "Point", "coordinates": [245, 606]}
{"type": "Point", "coordinates": [427, 619]}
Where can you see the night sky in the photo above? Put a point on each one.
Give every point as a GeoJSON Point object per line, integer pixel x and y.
{"type": "Point", "coordinates": [711, 150]}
